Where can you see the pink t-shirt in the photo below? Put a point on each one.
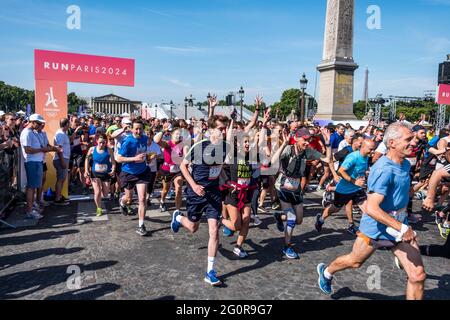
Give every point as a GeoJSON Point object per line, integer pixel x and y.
{"type": "Point", "coordinates": [169, 165]}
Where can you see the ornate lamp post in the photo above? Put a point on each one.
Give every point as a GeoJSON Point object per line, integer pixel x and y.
{"type": "Point", "coordinates": [241, 96]}
{"type": "Point", "coordinates": [303, 85]}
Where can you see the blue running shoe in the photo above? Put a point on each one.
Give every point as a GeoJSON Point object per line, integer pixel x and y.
{"type": "Point", "coordinates": [211, 278]}
{"type": "Point", "coordinates": [324, 283]}
{"type": "Point", "coordinates": [175, 225]}
{"type": "Point", "coordinates": [290, 253]}
{"type": "Point", "coordinates": [279, 221]}
{"type": "Point", "coordinates": [227, 232]}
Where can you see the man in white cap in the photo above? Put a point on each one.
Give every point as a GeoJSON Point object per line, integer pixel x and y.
{"type": "Point", "coordinates": [33, 149]}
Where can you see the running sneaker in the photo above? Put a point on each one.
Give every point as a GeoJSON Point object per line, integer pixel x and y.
{"type": "Point", "coordinates": [130, 211]}
{"type": "Point", "coordinates": [43, 204]}
{"type": "Point", "coordinates": [99, 212]}
{"type": "Point", "coordinates": [142, 231]}
{"type": "Point", "coordinates": [241, 253]}
{"type": "Point", "coordinates": [319, 223]}
{"type": "Point", "coordinates": [352, 229]}
{"type": "Point", "coordinates": [290, 253]}
{"type": "Point", "coordinates": [227, 232]}
{"type": "Point", "coordinates": [256, 221]}
{"type": "Point", "coordinates": [356, 210]}
{"type": "Point", "coordinates": [279, 221]}
{"type": "Point", "coordinates": [34, 215]}
{"type": "Point", "coordinates": [61, 203]}
{"type": "Point", "coordinates": [211, 278]}
{"type": "Point", "coordinates": [444, 230]}
{"type": "Point", "coordinates": [170, 195]}
{"type": "Point", "coordinates": [163, 207]}
{"type": "Point", "coordinates": [437, 215]}
{"type": "Point", "coordinates": [262, 209]}
{"type": "Point", "coordinates": [175, 225]}
{"type": "Point", "coordinates": [123, 209]}
{"type": "Point", "coordinates": [37, 207]}
{"type": "Point", "coordinates": [319, 188]}
{"type": "Point", "coordinates": [276, 206]}
{"type": "Point", "coordinates": [324, 283]}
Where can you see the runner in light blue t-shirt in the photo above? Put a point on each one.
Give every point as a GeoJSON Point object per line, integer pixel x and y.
{"type": "Point", "coordinates": [385, 222]}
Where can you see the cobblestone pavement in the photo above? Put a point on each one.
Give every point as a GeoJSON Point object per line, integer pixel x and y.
{"type": "Point", "coordinates": [115, 263]}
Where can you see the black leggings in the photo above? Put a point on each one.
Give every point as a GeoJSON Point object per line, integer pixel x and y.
{"type": "Point", "coordinates": [437, 251]}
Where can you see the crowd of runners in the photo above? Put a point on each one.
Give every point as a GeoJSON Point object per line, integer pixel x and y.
{"type": "Point", "coordinates": [227, 170]}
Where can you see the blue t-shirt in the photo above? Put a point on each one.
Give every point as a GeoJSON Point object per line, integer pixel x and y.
{"type": "Point", "coordinates": [356, 166]}
{"type": "Point", "coordinates": [131, 147]}
{"type": "Point", "coordinates": [92, 130]}
{"type": "Point", "coordinates": [393, 181]}
{"type": "Point", "coordinates": [335, 140]}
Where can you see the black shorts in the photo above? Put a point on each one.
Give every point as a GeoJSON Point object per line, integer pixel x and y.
{"type": "Point", "coordinates": [265, 181]}
{"type": "Point", "coordinates": [168, 177]}
{"type": "Point", "coordinates": [293, 198]}
{"type": "Point", "coordinates": [129, 181]}
{"type": "Point", "coordinates": [425, 173]}
{"type": "Point", "coordinates": [232, 198]}
{"type": "Point", "coordinates": [210, 204]}
{"type": "Point", "coordinates": [340, 200]}
{"type": "Point", "coordinates": [104, 177]}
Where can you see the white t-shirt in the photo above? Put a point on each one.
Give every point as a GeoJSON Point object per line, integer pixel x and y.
{"type": "Point", "coordinates": [342, 145]}
{"type": "Point", "coordinates": [154, 148]}
{"type": "Point", "coordinates": [381, 148]}
{"type": "Point", "coordinates": [35, 140]}
{"type": "Point", "coordinates": [62, 139]}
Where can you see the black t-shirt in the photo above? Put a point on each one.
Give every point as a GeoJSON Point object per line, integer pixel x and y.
{"type": "Point", "coordinates": [243, 172]}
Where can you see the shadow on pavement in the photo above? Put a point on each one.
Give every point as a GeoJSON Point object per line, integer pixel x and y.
{"type": "Point", "coordinates": [18, 240]}
{"type": "Point", "coordinates": [90, 293]}
{"type": "Point", "coordinates": [20, 284]}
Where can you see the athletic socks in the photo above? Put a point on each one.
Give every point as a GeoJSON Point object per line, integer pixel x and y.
{"type": "Point", "coordinates": [141, 223]}
{"type": "Point", "coordinates": [210, 264]}
{"type": "Point", "coordinates": [178, 218]}
{"type": "Point", "coordinates": [327, 275]}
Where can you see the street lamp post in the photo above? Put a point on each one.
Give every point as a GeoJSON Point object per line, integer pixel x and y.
{"type": "Point", "coordinates": [303, 85]}
{"type": "Point", "coordinates": [241, 96]}
{"type": "Point", "coordinates": [185, 107]}
{"type": "Point", "coordinates": [171, 108]}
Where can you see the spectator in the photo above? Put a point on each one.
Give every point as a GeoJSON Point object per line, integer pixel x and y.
{"type": "Point", "coordinates": [61, 161]}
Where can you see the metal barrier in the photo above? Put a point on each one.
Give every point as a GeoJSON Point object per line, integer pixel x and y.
{"type": "Point", "coordinates": [10, 172]}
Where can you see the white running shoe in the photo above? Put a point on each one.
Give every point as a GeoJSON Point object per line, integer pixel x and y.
{"type": "Point", "coordinates": [35, 215]}
{"type": "Point", "coordinates": [256, 221]}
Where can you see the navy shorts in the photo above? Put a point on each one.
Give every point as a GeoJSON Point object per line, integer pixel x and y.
{"type": "Point", "coordinates": [35, 173]}
{"type": "Point", "coordinates": [210, 204]}
{"type": "Point", "coordinates": [293, 198]}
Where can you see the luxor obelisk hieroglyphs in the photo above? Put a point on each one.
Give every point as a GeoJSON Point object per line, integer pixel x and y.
{"type": "Point", "coordinates": [337, 67]}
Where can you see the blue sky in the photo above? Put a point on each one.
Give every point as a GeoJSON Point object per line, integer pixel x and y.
{"type": "Point", "coordinates": [187, 47]}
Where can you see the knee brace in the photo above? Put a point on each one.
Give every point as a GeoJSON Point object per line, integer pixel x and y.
{"type": "Point", "coordinates": [291, 219]}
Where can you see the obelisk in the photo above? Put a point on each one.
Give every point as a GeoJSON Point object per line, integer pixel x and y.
{"type": "Point", "coordinates": [337, 67]}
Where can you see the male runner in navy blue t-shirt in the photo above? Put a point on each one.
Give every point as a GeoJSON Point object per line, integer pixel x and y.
{"type": "Point", "coordinates": [203, 196]}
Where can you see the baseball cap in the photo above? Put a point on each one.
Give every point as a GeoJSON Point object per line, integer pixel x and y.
{"type": "Point", "coordinates": [37, 117]}
{"type": "Point", "coordinates": [2, 113]}
{"type": "Point", "coordinates": [417, 128]}
{"type": "Point", "coordinates": [303, 133]}
{"type": "Point", "coordinates": [126, 121]}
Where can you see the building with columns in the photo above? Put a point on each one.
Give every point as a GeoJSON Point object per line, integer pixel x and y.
{"type": "Point", "coordinates": [114, 105]}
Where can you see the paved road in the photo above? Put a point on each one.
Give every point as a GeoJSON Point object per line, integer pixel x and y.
{"type": "Point", "coordinates": [115, 263]}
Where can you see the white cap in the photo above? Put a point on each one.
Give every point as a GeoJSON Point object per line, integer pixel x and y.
{"type": "Point", "coordinates": [2, 113]}
{"type": "Point", "coordinates": [36, 117]}
{"type": "Point", "coordinates": [126, 121]}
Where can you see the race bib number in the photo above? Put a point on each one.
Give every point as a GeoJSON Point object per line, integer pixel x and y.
{"type": "Point", "coordinates": [174, 168]}
{"type": "Point", "coordinates": [244, 182]}
{"type": "Point", "coordinates": [214, 172]}
{"type": "Point", "coordinates": [100, 168]}
{"type": "Point", "coordinates": [292, 184]}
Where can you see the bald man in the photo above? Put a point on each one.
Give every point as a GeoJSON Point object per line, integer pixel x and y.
{"type": "Point", "coordinates": [350, 188]}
